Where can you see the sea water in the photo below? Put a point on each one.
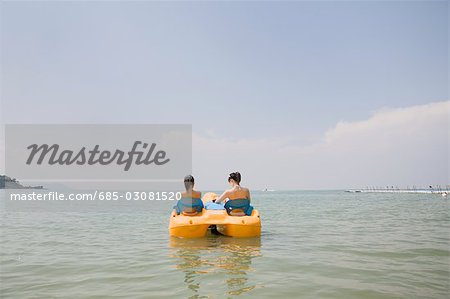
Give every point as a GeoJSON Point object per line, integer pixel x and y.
{"type": "Point", "coordinates": [314, 244]}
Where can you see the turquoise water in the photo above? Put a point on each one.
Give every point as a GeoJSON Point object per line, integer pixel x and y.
{"type": "Point", "coordinates": [315, 244]}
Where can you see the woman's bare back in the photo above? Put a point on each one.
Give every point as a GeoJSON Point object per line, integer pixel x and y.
{"type": "Point", "coordinates": [191, 194]}
{"type": "Point", "coordinates": [238, 192]}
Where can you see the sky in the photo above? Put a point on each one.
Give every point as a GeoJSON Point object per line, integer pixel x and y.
{"type": "Point", "coordinates": [295, 95]}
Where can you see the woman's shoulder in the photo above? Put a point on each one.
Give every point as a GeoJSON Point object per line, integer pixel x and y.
{"type": "Point", "coordinates": [238, 191]}
{"type": "Point", "coordinates": [245, 189]}
{"type": "Point", "coordinates": [194, 194]}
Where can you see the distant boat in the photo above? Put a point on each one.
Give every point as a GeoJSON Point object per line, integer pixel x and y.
{"type": "Point", "coordinates": [268, 190]}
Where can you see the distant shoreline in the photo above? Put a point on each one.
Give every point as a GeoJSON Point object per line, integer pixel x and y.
{"type": "Point", "coordinates": [11, 183]}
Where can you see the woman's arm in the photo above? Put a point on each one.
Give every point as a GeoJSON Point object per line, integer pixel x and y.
{"type": "Point", "coordinates": [222, 197]}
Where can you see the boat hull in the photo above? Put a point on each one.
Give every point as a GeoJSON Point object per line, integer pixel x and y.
{"type": "Point", "coordinates": [197, 226]}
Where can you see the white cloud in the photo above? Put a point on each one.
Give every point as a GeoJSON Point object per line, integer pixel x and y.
{"type": "Point", "coordinates": [402, 146]}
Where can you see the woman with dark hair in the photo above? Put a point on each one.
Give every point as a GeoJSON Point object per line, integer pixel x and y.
{"type": "Point", "coordinates": [189, 185]}
{"type": "Point", "coordinates": [236, 191]}
{"type": "Point", "coordinates": [190, 203]}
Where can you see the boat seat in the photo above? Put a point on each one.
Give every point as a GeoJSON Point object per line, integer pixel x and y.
{"type": "Point", "coordinates": [214, 206]}
{"type": "Point", "coordinates": [189, 206]}
{"type": "Point", "coordinates": [239, 207]}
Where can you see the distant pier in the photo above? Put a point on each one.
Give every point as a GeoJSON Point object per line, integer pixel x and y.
{"type": "Point", "coordinates": [444, 191]}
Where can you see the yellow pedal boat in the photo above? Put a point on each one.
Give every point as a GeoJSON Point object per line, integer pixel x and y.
{"type": "Point", "coordinates": [186, 226]}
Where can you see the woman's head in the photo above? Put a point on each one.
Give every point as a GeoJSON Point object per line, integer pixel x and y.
{"type": "Point", "coordinates": [234, 178]}
{"type": "Point", "coordinates": [189, 182]}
